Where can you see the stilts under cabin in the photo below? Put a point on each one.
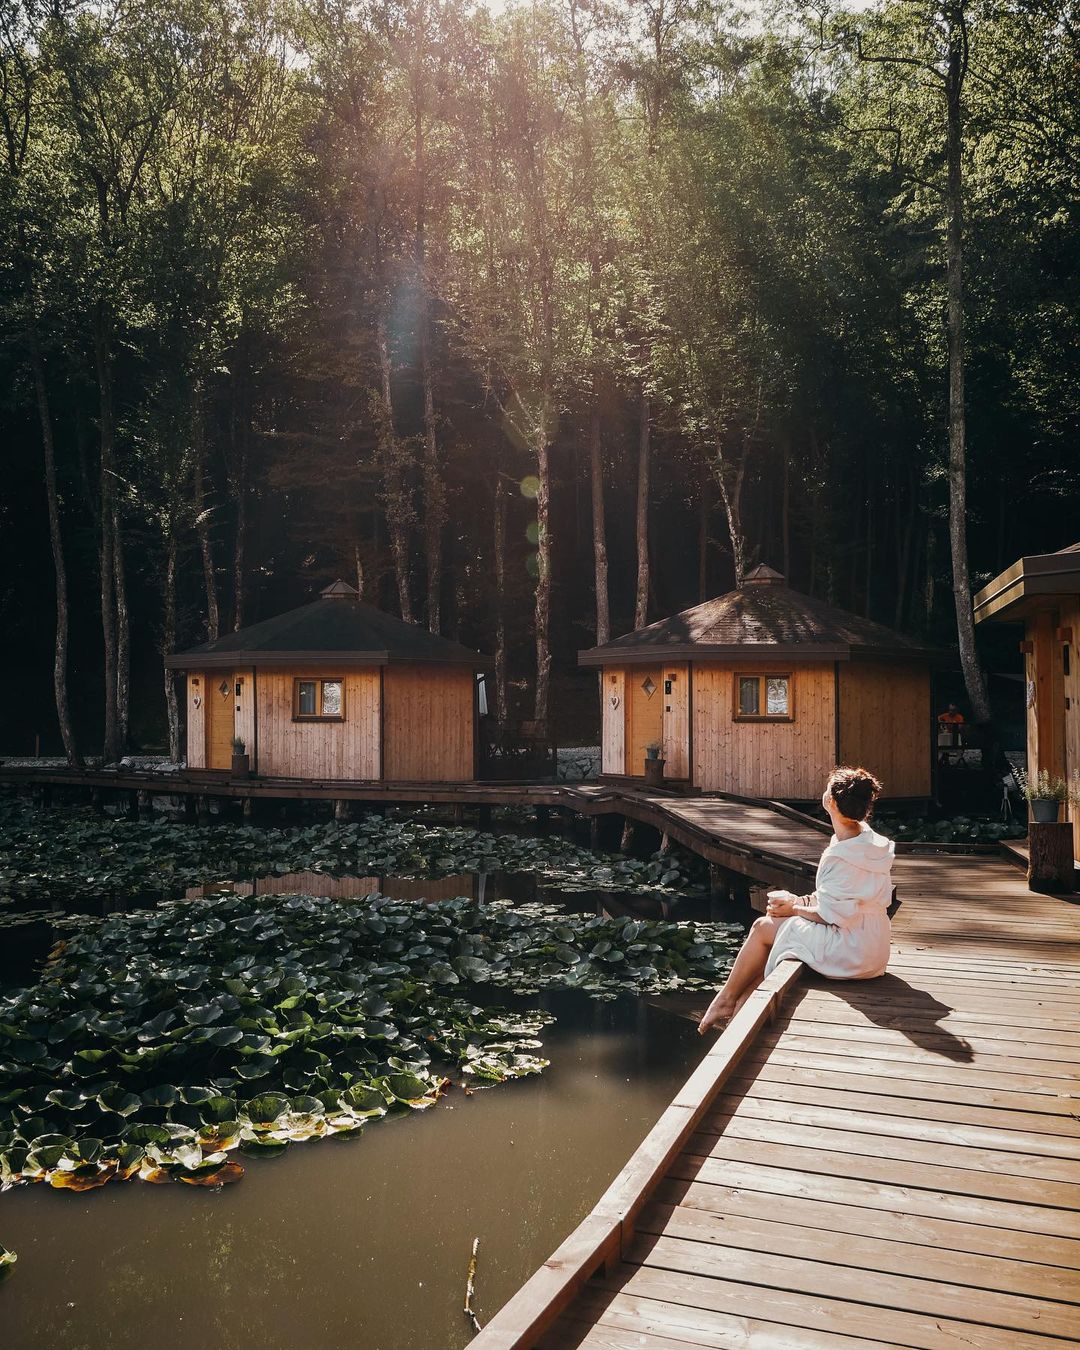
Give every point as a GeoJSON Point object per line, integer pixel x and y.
{"type": "Point", "coordinates": [334, 690]}
{"type": "Point", "coordinates": [762, 691]}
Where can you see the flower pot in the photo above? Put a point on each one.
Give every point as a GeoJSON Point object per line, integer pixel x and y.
{"type": "Point", "coordinates": [241, 766]}
{"type": "Point", "coordinates": [1044, 810]}
{"type": "Point", "coordinates": [654, 771]}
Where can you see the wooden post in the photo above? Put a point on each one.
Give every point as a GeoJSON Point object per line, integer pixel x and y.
{"type": "Point", "coordinates": [483, 817]}
{"type": "Point", "coordinates": [459, 813]}
{"type": "Point", "coordinates": [189, 808]}
{"type": "Point", "coordinates": [202, 810]}
{"type": "Point", "coordinates": [132, 806]}
{"type": "Point", "coordinates": [146, 804]}
{"type": "Point", "coordinates": [248, 810]}
{"type": "Point", "coordinates": [594, 832]}
{"type": "Point", "coordinates": [665, 843]}
{"type": "Point", "coordinates": [342, 809]}
{"type": "Point", "coordinates": [627, 834]}
{"type": "Point", "coordinates": [1050, 858]}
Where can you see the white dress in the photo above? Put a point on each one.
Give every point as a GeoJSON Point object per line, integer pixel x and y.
{"type": "Point", "coordinates": [853, 891]}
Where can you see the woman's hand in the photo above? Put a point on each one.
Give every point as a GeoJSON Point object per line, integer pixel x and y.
{"type": "Point", "coordinates": [781, 904]}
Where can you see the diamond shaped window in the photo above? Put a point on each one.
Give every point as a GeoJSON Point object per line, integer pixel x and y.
{"type": "Point", "coordinates": [223, 688]}
{"type": "Point", "coordinates": [648, 685]}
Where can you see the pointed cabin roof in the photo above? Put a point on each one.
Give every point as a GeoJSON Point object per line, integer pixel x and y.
{"type": "Point", "coordinates": [762, 619]}
{"type": "Point", "coordinates": [1030, 584]}
{"type": "Point", "coordinates": [337, 627]}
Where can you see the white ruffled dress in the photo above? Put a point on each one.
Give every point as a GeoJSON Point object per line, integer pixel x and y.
{"type": "Point", "coordinates": [853, 891]}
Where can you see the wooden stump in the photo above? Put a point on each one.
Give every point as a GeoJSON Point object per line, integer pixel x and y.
{"type": "Point", "coordinates": [1050, 858]}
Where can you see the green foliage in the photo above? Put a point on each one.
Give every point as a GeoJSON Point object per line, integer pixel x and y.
{"type": "Point", "coordinates": [957, 830]}
{"type": "Point", "coordinates": [188, 1031]}
{"type": "Point", "coordinates": [67, 855]}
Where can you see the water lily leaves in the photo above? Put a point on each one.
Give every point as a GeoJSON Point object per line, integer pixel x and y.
{"type": "Point", "coordinates": [266, 1109]}
{"type": "Point", "coordinates": [163, 1095]}
{"type": "Point", "coordinates": [412, 1090]}
{"type": "Point", "coordinates": [364, 1102]}
{"type": "Point", "coordinates": [119, 1101]}
{"type": "Point", "coordinates": [7, 1259]}
{"type": "Point", "coordinates": [221, 1174]}
{"type": "Point", "coordinates": [224, 1036]}
{"type": "Point", "coordinates": [146, 1134]}
{"type": "Point", "coordinates": [203, 1014]}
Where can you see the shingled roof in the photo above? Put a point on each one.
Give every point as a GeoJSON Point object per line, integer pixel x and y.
{"type": "Point", "coordinates": [338, 627]}
{"type": "Point", "coordinates": [763, 618]}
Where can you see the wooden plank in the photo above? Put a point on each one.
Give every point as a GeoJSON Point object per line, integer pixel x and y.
{"type": "Point", "coordinates": [1003, 1284]}
{"type": "Point", "coordinates": [627, 1321]}
{"type": "Point", "coordinates": [817, 1311]}
{"type": "Point", "coordinates": [886, 1096]}
{"type": "Point", "coordinates": [1055, 1201]}
{"type": "Point", "coordinates": [746, 1192]}
{"type": "Point", "coordinates": [1023, 1318]}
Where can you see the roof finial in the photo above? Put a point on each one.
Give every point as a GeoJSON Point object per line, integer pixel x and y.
{"type": "Point", "coordinates": [763, 575]}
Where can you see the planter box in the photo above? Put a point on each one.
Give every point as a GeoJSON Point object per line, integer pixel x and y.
{"type": "Point", "coordinates": [241, 766]}
{"type": "Point", "coordinates": [1044, 811]}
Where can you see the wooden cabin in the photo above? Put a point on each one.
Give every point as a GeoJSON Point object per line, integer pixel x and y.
{"type": "Point", "coordinates": [762, 691]}
{"type": "Point", "coordinates": [334, 690]}
{"type": "Point", "coordinates": [1042, 592]}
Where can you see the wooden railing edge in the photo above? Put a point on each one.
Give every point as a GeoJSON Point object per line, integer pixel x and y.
{"type": "Point", "coordinates": [604, 1233]}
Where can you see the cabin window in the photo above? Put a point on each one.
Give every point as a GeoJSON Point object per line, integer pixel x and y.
{"type": "Point", "coordinates": [763, 698]}
{"type": "Point", "coordinates": [318, 700]}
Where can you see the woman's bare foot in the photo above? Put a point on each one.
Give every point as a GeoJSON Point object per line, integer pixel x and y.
{"type": "Point", "coordinates": [721, 1009]}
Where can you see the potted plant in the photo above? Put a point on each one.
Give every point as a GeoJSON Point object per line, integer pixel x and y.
{"type": "Point", "coordinates": [1045, 794]}
{"type": "Point", "coordinates": [241, 765]}
{"type": "Point", "coordinates": [654, 764]}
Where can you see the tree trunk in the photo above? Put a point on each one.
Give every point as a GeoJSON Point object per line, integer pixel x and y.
{"type": "Point", "coordinates": [731, 496]}
{"type": "Point", "coordinates": [123, 636]}
{"type": "Point", "coordinates": [395, 487]}
{"type": "Point", "coordinates": [202, 521]}
{"type": "Point", "coordinates": [542, 615]}
{"type": "Point", "coordinates": [502, 700]}
{"type": "Point", "coordinates": [238, 483]}
{"type": "Point", "coordinates": [434, 488]}
{"type": "Point", "coordinates": [106, 553]}
{"type": "Point", "coordinates": [168, 645]}
{"type": "Point", "coordinates": [641, 602]}
{"type": "Point", "coordinates": [785, 512]}
{"type": "Point", "coordinates": [60, 691]}
{"type": "Point", "coordinates": [703, 536]}
{"type": "Point", "coordinates": [599, 523]}
{"type": "Point", "coordinates": [965, 621]}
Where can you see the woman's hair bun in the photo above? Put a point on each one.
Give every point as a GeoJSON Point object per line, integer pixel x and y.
{"type": "Point", "coordinates": [854, 791]}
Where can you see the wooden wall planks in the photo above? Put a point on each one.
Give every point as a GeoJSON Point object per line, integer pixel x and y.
{"type": "Point", "coordinates": [763, 759]}
{"type": "Point", "coordinates": [428, 724]}
{"type": "Point", "coordinates": [885, 724]}
{"type": "Point", "coordinates": [676, 725]}
{"type": "Point", "coordinates": [322, 750]}
{"type": "Point", "coordinates": [196, 720]}
{"type": "Point", "coordinates": [613, 717]}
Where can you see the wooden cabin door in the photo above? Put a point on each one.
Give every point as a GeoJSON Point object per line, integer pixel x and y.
{"type": "Point", "coordinates": [221, 723]}
{"type": "Point", "coordinates": [645, 715]}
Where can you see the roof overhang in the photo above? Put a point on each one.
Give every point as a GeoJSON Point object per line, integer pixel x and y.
{"type": "Point", "coordinates": [770, 652]}
{"type": "Point", "coordinates": [248, 660]}
{"type": "Point", "coordinates": [1029, 584]}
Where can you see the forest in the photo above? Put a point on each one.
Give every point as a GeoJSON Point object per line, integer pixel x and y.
{"type": "Point", "coordinates": [535, 324]}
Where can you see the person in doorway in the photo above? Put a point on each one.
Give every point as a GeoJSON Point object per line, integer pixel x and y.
{"type": "Point", "coordinates": [842, 928]}
{"type": "Point", "coordinates": [950, 723]}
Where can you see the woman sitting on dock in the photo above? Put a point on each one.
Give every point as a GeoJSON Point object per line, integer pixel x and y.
{"type": "Point", "coordinates": [842, 929]}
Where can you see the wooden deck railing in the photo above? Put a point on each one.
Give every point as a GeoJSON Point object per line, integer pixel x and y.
{"type": "Point", "coordinates": [603, 1235]}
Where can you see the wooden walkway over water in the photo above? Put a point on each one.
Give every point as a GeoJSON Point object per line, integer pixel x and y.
{"type": "Point", "coordinates": [894, 1162]}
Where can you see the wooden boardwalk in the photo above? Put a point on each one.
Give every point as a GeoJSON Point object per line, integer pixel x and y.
{"type": "Point", "coordinates": [894, 1162]}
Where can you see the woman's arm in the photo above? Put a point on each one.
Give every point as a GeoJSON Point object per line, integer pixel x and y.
{"type": "Point", "coordinates": [784, 905]}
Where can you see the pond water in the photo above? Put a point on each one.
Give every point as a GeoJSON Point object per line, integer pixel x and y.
{"type": "Point", "coordinates": [359, 1244]}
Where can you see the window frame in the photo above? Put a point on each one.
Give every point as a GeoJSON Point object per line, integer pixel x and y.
{"type": "Point", "coordinates": [762, 676]}
{"type": "Point", "coordinates": [319, 681]}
